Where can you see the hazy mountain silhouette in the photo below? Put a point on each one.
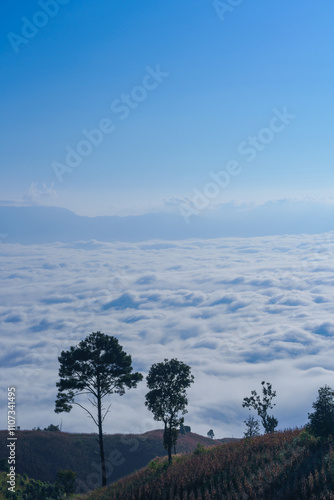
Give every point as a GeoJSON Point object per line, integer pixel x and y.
{"type": "Point", "coordinates": [39, 224]}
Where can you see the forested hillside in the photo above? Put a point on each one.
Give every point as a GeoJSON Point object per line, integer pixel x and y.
{"type": "Point", "coordinates": [41, 454]}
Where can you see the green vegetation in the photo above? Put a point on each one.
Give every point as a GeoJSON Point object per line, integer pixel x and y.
{"type": "Point", "coordinates": [200, 449]}
{"type": "Point", "coordinates": [286, 465]}
{"type": "Point", "coordinates": [32, 489]}
{"type": "Point", "coordinates": [322, 419]}
{"type": "Point", "coordinates": [65, 481]}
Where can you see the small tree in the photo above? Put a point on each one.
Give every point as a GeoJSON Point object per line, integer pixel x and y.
{"type": "Point", "coordinates": [321, 421]}
{"type": "Point", "coordinates": [52, 428]}
{"type": "Point", "coordinates": [184, 429]}
{"type": "Point", "coordinates": [211, 434]}
{"type": "Point", "coordinates": [66, 482]}
{"type": "Point", "coordinates": [167, 397]}
{"type": "Point", "coordinates": [97, 367]}
{"type": "Point", "coordinates": [263, 405]}
{"type": "Point", "coordinates": [252, 427]}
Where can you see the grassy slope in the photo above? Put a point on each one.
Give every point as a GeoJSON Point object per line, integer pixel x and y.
{"type": "Point", "coordinates": [283, 466]}
{"type": "Point", "coordinates": [41, 454]}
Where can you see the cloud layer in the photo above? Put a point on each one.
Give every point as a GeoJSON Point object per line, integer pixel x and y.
{"type": "Point", "coordinates": [239, 311]}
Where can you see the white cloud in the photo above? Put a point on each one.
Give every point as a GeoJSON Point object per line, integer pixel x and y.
{"type": "Point", "coordinates": [237, 310]}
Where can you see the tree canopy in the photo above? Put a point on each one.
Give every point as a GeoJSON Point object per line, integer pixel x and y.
{"type": "Point", "coordinates": [252, 427]}
{"type": "Point", "coordinates": [321, 421]}
{"type": "Point", "coordinates": [167, 397]}
{"type": "Point", "coordinates": [263, 405]}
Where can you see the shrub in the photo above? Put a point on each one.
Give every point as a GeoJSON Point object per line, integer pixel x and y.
{"type": "Point", "coordinates": [158, 464]}
{"type": "Point", "coordinates": [66, 481]}
{"type": "Point", "coordinates": [305, 438]}
{"type": "Point", "coordinates": [200, 449]}
{"type": "Point", "coordinates": [52, 428]}
{"type": "Point", "coordinates": [322, 419]}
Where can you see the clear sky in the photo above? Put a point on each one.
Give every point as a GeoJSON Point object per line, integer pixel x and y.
{"type": "Point", "coordinates": [130, 107]}
{"type": "Point", "coordinates": [198, 83]}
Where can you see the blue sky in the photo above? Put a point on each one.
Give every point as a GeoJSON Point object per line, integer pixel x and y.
{"type": "Point", "coordinates": [132, 107]}
{"type": "Point", "coordinates": [222, 80]}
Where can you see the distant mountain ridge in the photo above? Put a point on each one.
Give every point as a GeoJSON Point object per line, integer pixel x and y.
{"type": "Point", "coordinates": [40, 224]}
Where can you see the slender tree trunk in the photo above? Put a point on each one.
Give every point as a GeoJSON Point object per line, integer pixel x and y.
{"type": "Point", "coordinates": [103, 463]}
{"type": "Point", "coordinates": [170, 445]}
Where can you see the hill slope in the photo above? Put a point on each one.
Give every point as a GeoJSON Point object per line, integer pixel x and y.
{"type": "Point", "coordinates": [42, 454]}
{"type": "Point", "coordinates": [285, 465]}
